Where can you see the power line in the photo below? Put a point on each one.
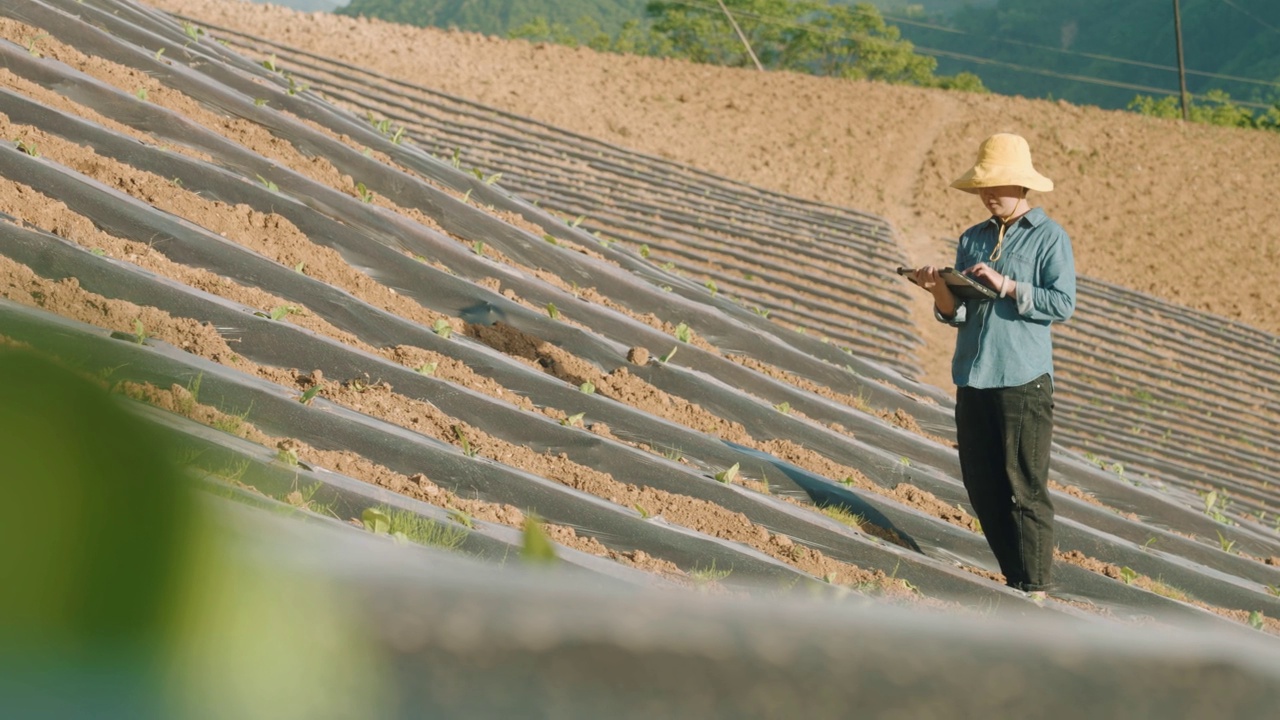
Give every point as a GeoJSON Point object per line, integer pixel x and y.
{"type": "Point", "coordinates": [1255, 18]}
{"type": "Point", "coordinates": [1092, 56]}
{"type": "Point", "coordinates": [784, 22]}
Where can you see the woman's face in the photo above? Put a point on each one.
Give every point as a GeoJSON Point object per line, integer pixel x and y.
{"type": "Point", "coordinates": [1001, 201]}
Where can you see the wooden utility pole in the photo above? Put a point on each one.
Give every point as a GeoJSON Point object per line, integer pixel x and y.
{"type": "Point", "coordinates": [1182, 68]}
{"type": "Point", "coordinates": [742, 37]}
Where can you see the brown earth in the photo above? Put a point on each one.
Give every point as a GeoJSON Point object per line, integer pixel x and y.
{"type": "Point", "coordinates": [1153, 205]}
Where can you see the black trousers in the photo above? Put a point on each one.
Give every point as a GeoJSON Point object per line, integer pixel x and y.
{"type": "Point", "coordinates": [1004, 436]}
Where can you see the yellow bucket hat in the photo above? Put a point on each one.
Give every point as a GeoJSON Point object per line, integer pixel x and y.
{"type": "Point", "coordinates": [1003, 159]}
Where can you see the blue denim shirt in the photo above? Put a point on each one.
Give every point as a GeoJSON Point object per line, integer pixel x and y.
{"type": "Point", "coordinates": [1006, 342]}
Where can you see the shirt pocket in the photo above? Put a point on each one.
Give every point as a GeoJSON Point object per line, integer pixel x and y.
{"type": "Point", "coordinates": [1017, 266]}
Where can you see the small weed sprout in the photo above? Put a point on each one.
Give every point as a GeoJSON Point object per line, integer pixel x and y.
{"type": "Point", "coordinates": [466, 198]}
{"type": "Point", "coordinates": [644, 251]}
{"type": "Point", "coordinates": [158, 53]}
{"type": "Point", "coordinates": [463, 441]}
{"type": "Point", "coordinates": [442, 328]}
{"type": "Point", "coordinates": [280, 312]}
{"type": "Point", "coordinates": [31, 45]}
{"type": "Point", "coordinates": [683, 333]}
{"type": "Point", "coordinates": [577, 221]}
{"type": "Point", "coordinates": [552, 311]}
{"type": "Point", "coordinates": [288, 456]}
{"type": "Point", "coordinates": [98, 251]}
{"type": "Point", "coordinates": [673, 454]}
{"type": "Point", "coordinates": [259, 102]}
{"type": "Point", "coordinates": [364, 193]}
{"type": "Point", "coordinates": [477, 247]}
{"type": "Point", "coordinates": [703, 577]}
{"type": "Point", "coordinates": [423, 531]}
{"type": "Point", "coordinates": [139, 332]}
{"type": "Point", "coordinates": [574, 420]}
{"type": "Point", "coordinates": [1128, 575]}
{"type": "Point", "coordinates": [268, 184]}
{"type": "Point", "coordinates": [550, 238]}
{"type": "Point", "coordinates": [493, 178]}
{"type": "Point", "coordinates": [376, 521]}
{"type": "Point", "coordinates": [28, 148]}
{"type": "Point", "coordinates": [538, 548]}
{"type": "Point", "coordinates": [398, 136]}
{"type": "Point", "coordinates": [762, 312]}
{"type": "Point", "coordinates": [302, 264]}
{"type": "Point", "coordinates": [588, 387]}
{"type": "Point", "coordinates": [727, 475]}
{"type": "Point", "coordinates": [1255, 619]}
{"type": "Point", "coordinates": [1274, 590]}
{"type": "Point", "coordinates": [141, 94]}
{"type": "Point", "coordinates": [456, 160]}
{"type": "Point", "coordinates": [783, 407]}
{"type": "Point", "coordinates": [644, 512]}
{"type": "Point", "coordinates": [1224, 543]}
{"type": "Point", "coordinates": [427, 368]}
{"type": "Point", "coordinates": [1150, 541]}
{"type": "Point", "coordinates": [843, 515]}
{"type": "Point", "coordinates": [310, 394]}
{"type": "Point", "coordinates": [711, 285]}
{"type": "Point", "coordinates": [667, 358]}
{"type": "Point", "coordinates": [462, 518]}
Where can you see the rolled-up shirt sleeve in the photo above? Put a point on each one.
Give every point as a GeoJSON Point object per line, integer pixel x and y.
{"type": "Point", "coordinates": [955, 320]}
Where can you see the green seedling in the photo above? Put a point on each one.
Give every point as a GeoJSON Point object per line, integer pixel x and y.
{"type": "Point", "coordinates": [588, 387]}
{"type": "Point", "coordinates": [538, 548]}
{"type": "Point", "coordinates": [668, 266]}
{"type": "Point", "coordinates": [705, 576]}
{"type": "Point", "coordinates": [1150, 541]}
{"type": "Point", "coordinates": [843, 515]}
{"type": "Point", "coordinates": [295, 87]}
{"type": "Point", "coordinates": [442, 328]}
{"type": "Point", "coordinates": [259, 102]}
{"type": "Point", "coordinates": [1274, 590]}
{"type": "Point", "coordinates": [279, 312]}
{"type": "Point", "coordinates": [644, 512]}
{"type": "Point", "coordinates": [477, 247]}
{"type": "Point", "coordinates": [309, 394]}
{"type": "Point", "coordinates": [577, 221]}
{"type": "Point", "coordinates": [711, 285]}
{"type": "Point", "coordinates": [376, 521]}
{"type": "Point", "coordinates": [667, 288]}
{"type": "Point", "coordinates": [457, 157]}
{"type": "Point", "coordinates": [270, 63]}
{"type": "Point", "coordinates": [783, 407]}
{"type": "Point", "coordinates": [1128, 575]}
{"type": "Point", "coordinates": [492, 178]}
{"type": "Point", "coordinates": [268, 184]}
{"type": "Point", "coordinates": [466, 197]}
{"type": "Point", "coordinates": [158, 53]}
{"type": "Point", "coordinates": [762, 312]}
{"type": "Point", "coordinates": [550, 238]}
{"type": "Point", "coordinates": [683, 333]}
{"type": "Point", "coordinates": [1215, 503]}
{"type": "Point", "coordinates": [139, 332]}
{"type": "Point", "coordinates": [398, 136]}
{"type": "Point", "coordinates": [192, 31]}
{"type": "Point", "coordinates": [728, 474]}
{"type": "Point", "coordinates": [1224, 543]}
{"type": "Point", "coordinates": [231, 424]}
{"type": "Point", "coordinates": [674, 455]}
{"type": "Point", "coordinates": [667, 358]}
{"type": "Point", "coordinates": [287, 456]}
{"type": "Point", "coordinates": [141, 94]}
{"type": "Point", "coordinates": [644, 251]}
{"type": "Point", "coordinates": [414, 528]}
{"type": "Point", "coordinates": [364, 193]}
{"type": "Point", "coordinates": [462, 518]}
{"type": "Point", "coordinates": [427, 368]}
{"type": "Point", "coordinates": [300, 267]}
{"type": "Point", "coordinates": [906, 461]}
{"type": "Point", "coordinates": [1255, 619]}
{"type": "Point", "coordinates": [98, 251]}
{"type": "Point", "coordinates": [31, 45]}
{"type": "Point", "coordinates": [464, 442]}
{"type": "Point", "coordinates": [28, 148]}
{"type": "Point", "coordinates": [552, 311]}
{"type": "Point", "coordinates": [574, 420]}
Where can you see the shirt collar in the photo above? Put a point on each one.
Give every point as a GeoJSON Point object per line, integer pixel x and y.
{"type": "Point", "coordinates": [1031, 218]}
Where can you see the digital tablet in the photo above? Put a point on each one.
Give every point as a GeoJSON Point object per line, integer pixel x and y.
{"type": "Point", "coordinates": [962, 286]}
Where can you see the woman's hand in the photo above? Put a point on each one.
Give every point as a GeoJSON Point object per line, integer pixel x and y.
{"type": "Point", "coordinates": [928, 278]}
{"type": "Point", "coordinates": [992, 279]}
